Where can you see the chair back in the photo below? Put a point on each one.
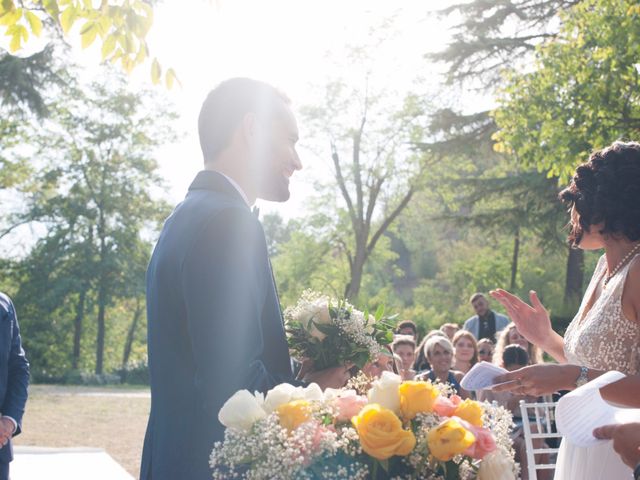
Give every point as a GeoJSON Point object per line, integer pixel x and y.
{"type": "Point", "coordinates": [538, 422]}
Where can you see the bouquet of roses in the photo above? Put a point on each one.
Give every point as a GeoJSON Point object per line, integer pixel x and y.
{"type": "Point", "coordinates": [330, 333]}
{"type": "Point", "coordinates": [400, 430]}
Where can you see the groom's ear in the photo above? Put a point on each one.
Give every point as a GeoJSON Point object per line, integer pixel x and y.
{"type": "Point", "coordinates": [249, 128]}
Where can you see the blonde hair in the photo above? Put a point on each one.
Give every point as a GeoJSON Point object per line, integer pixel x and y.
{"type": "Point", "coordinates": [437, 340]}
{"type": "Point", "coordinates": [469, 336]}
{"type": "Point", "coordinates": [535, 354]}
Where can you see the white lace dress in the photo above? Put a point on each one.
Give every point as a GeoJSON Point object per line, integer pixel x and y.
{"type": "Point", "coordinates": [602, 339]}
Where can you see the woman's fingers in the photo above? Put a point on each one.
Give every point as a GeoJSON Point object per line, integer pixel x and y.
{"type": "Point", "coordinates": [506, 298]}
{"type": "Point", "coordinates": [535, 301]}
{"type": "Point", "coordinates": [605, 432]}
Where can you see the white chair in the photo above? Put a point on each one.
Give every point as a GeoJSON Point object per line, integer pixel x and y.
{"type": "Point", "coordinates": [541, 415]}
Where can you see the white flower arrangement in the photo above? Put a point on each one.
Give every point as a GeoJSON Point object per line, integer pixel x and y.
{"type": "Point", "coordinates": [331, 333]}
{"type": "Point", "coordinates": [303, 433]}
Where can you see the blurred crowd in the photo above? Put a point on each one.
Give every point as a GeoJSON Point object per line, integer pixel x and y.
{"type": "Point", "coordinates": [445, 355]}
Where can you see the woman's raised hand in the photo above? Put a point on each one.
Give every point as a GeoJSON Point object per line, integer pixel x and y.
{"type": "Point", "coordinates": [533, 320]}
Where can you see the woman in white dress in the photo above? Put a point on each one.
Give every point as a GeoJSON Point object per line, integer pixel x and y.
{"type": "Point", "coordinates": [604, 196]}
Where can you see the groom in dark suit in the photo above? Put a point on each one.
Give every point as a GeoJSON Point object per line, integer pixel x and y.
{"type": "Point", "coordinates": [214, 319]}
{"type": "Point", "coordinates": [14, 381]}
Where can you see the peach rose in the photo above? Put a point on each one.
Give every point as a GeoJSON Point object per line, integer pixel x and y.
{"type": "Point", "coordinates": [484, 444]}
{"type": "Point", "coordinates": [446, 407]}
{"type": "Point", "coordinates": [349, 406]}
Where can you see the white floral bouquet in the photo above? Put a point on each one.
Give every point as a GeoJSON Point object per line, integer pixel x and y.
{"type": "Point", "coordinates": [330, 332]}
{"type": "Point", "coordinates": [400, 430]}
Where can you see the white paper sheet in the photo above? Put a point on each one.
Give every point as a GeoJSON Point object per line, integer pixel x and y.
{"type": "Point", "coordinates": [481, 376]}
{"type": "Point", "coordinates": [580, 412]}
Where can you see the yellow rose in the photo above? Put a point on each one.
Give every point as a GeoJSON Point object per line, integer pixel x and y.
{"type": "Point", "coordinates": [416, 397]}
{"type": "Point", "coordinates": [449, 439]}
{"type": "Point", "coordinates": [471, 411]}
{"type": "Point", "coordinates": [294, 414]}
{"type": "Point", "coordinates": [381, 433]}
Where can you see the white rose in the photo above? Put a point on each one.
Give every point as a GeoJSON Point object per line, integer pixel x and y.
{"type": "Point", "coordinates": [285, 393]}
{"type": "Point", "coordinates": [319, 312]}
{"type": "Point", "coordinates": [384, 391]}
{"type": "Point", "coordinates": [330, 394]}
{"type": "Point", "coordinates": [241, 411]}
{"type": "Point", "coordinates": [312, 393]}
{"type": "Point", "coordinates": [279, 395]}
{"type": "Point", "coordinates": [496, 466]}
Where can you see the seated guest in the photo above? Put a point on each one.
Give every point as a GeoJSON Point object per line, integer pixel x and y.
{"type": "Point", "coordinates": [407, 327]}
{"type": "Point", "coordinates": [485, 350]}
{"type": "Point", "coordinates": [512, 358]}
{"type": "Point", "coordinates": [384, 362]}
{"type": "Point", "coordinates": [405, 347]}
{"type": "Point", "coordinates": [465, 353]}
{"type": "Point", "coordinates": [439, 353]}
{"type": "Point", "coordinates": [485, 323]}
{"type": "Point", "coordinates": [421, 363]}
{"type": "Point", "coordinates": [511, 336]}
{"type": "Point", "coordinates": [450, 329]}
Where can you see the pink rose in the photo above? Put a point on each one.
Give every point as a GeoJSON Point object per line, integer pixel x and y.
{"type": "Point", "coordinates": [484, 444]}
{"type": "Point", "coordinates": [445, 407]}
{"type": "Point", "coordinates": [349, 406]}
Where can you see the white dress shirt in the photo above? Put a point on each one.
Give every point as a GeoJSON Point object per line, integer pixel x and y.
{"type": "Point", "coordinates": [237, 187]}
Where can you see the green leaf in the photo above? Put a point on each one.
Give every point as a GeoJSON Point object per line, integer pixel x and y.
{"type": "Point", "coordinates": [88, 34]}
{"type": "Point", "coordinates": [6, 6]}
{"type": "Point", "coordinates": [326, 329]}
{"type": "Point", "coordinates": [51, 7]}
{"type": "Point", "coordinates": [108, 46]}
{"type": "Point", "coordinates": [379, 312]}
{"type": "Point", "coordinates": [171, 78]}
{"type": "Point", "coordinates": [67, 18]}
{"type": "Point", "coordinates": [34, 22]}
{"type": "Point", "coordinates": [18, 33]}
{"type": "Point", "coordinates": [11, 17]}
{"type": "Point", "coordinates": [156, 71]}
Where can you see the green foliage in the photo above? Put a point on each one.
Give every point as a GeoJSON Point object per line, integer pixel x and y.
{"type": "Point", "coordinates": [80, 289]}
{"type": "Point", "coordinates": [328, 344]}
{"type": "Point", "coordinates": [582, 94]}
{"type": "Point", "coordinates": [121, 27]}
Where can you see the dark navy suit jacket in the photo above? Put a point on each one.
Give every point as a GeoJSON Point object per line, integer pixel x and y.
{"type": "Point", "coordinates": [14, 371]}
{"type": "Point", "coordinates": [214, 326]}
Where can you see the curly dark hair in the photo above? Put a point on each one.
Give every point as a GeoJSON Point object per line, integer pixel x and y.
{"type": "Point", "coordinates": [606, 190]}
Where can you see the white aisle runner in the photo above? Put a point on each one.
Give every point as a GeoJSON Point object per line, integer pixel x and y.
{"type": "Point", "coordinates": [35, 463]}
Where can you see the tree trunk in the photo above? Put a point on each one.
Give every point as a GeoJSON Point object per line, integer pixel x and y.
{"type": "Point", "coordinates": [353, 287]}
{"type": "Point", "coordinates": [514, 261]}
{"type": "Point", "coordinates": [130, 334]}
{"type": "Point", "coordinates": [575, 277]}
{"type": "Point", "coordinates": [77, 329]}
{"type": "Point", "coordinates": [101, 332]}
{"type": "Point", "coordinates": [357, 268]}
{"type": "Point", "coordinates": [102, 294]}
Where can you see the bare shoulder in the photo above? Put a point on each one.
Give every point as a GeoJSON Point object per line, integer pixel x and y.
{"type": "Point", "coordinates": [457, 374]}
{"type": "Point", "coordinates": [631, 294]}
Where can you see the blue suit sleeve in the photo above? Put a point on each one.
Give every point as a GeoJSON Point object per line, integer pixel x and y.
{"type": "Point", "coordinates": [18, 374]}
{"type": "Point", "coordinates": [225, 276]}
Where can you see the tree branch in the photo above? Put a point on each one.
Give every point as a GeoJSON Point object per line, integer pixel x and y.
{"type": "Point", "coordinates": [389, 220]}
{"type": "Point", "coordinates": [343, 186]}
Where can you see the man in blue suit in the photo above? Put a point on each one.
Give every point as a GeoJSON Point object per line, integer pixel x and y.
{"type": "Point", "coordinates": [14, 381]}
{"type": "Point", "coordinates": [214, 319]}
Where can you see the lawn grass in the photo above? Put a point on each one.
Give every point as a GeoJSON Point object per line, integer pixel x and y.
{"type": "Point", "coordinates": [113, 419]}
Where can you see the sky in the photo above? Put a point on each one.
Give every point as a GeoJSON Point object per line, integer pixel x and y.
{"type": "Point", "coordinates": [296, 45]}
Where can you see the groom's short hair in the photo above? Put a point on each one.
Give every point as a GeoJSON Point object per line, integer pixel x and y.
{"type": "Point", "coordinates": [227, 104]}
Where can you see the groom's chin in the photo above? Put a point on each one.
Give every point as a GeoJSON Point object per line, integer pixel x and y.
{"type": "Point", "coordinates": [276, 193]}
{"type": "Point", "coordinates": [279, 197]}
